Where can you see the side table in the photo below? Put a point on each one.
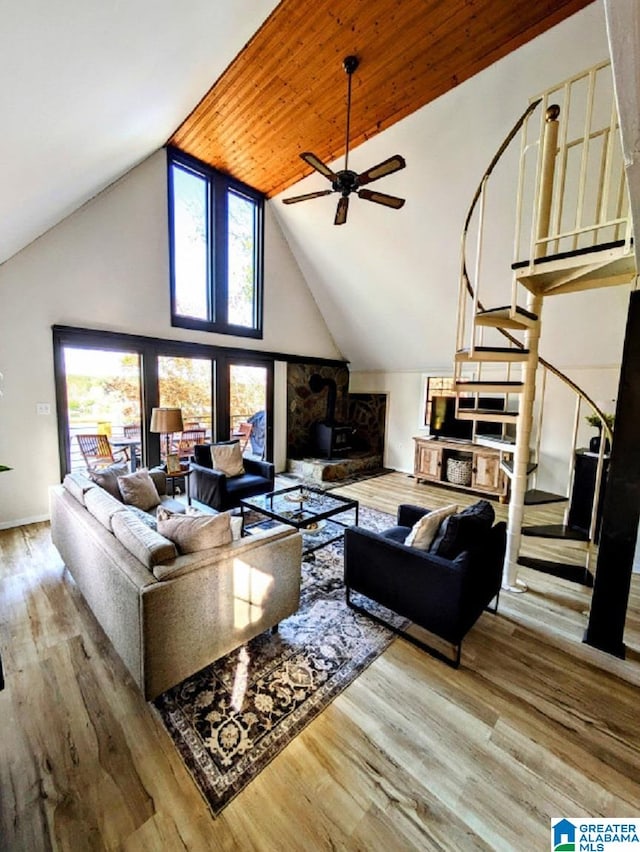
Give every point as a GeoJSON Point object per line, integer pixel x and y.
{"type": "Point", "coordinates": [184, 473]}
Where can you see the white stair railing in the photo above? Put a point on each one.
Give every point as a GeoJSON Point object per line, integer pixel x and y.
{"type": "Point", "coordinates": [581, 172]}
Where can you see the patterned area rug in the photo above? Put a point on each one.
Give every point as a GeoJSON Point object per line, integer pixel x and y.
{"type": "Point", "coordinates": [231, 719]}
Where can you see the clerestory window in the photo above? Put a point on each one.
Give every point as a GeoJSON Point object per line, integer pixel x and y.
{"type": "Point", "coordinates": [215, 245]}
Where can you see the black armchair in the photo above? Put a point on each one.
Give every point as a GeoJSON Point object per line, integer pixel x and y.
{"type": "Point", "coordinates": [444, 595]}
{"type": "Point", "coordinates": [223, 492]}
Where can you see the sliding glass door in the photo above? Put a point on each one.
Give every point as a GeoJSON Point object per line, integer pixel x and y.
{"type": "Point", "coordinates": [187, 384]}
{"type": "Point", "coordinates": [107, 384]}
{"type": "Point", "coordinates": [249, 406]}
{"type": "Point", "coordinates": [103, 396]}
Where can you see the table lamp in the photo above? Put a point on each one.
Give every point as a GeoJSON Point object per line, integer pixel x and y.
{"type": "Point", "coordinates": [166, 421]}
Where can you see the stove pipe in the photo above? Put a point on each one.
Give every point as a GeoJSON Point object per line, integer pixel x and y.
{"type": "Point", "coordinates": [318, 383]}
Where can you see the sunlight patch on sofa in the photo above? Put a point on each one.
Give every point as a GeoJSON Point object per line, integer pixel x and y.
{"type": "Point", "coordinates": [251, 588]}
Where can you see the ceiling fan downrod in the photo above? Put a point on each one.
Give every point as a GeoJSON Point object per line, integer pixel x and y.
{"type": "Point", "coordinates": [349, 63]}
{"type": "Point", "coordinates": [346, 181]}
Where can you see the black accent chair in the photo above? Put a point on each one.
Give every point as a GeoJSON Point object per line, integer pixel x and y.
{"type": "Point", "coordinates": [445, 596]}
{"type": "Point", "coordinates": [222, 492]}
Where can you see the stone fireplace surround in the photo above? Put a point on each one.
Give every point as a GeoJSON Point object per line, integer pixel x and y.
{"type": "Point", "coordinates": [365, 412]}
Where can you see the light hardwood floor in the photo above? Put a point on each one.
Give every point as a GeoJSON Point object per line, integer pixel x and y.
{"type": "Point", "coordinates": [413, 755]}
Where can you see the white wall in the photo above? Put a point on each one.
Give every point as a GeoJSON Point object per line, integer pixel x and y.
{"type": "Point", "coordinates": [106, 267]}
{"type": "Point", "coordinates": [405, 408]}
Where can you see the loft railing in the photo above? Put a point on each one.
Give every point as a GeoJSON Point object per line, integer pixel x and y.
{"type": "Point", "coordinates": [590, 203]}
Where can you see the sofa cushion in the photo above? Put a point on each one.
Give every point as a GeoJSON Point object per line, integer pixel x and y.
{"type": "Point", "coordinates": [398, 534]}
{"type": "Point", "coordinates": [247, 486]}
{"type": "Point", "coordinates": [192, 533]}
{"type": "Point", "coordinates": [159, 476]}
{"type": "Point", "coordinates": [107, 478]}
{"type": "Point", "coordinates": [102, 506]}
{"type": "Point", "coordinates": [138, 489]}
{"type": "Point", "coordinates": [464, 531]}
{"type": "Point", "coordinates": [77, 485]}
{"type": "Point", "coordinates": [146, 544]}
{"type": "Point", "coordinates": [175, 506]}
{"type": "Point", "coordinates": [227, 458]}
{"type": "Point", "coordinates": [426, 528]}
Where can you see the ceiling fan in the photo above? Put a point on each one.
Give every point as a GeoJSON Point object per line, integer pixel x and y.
{"type": "Point", "coordinates": [346, 181]}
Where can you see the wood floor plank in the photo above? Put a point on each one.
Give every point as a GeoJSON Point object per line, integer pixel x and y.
{"type": "Point", "coordinates": [412, 755]}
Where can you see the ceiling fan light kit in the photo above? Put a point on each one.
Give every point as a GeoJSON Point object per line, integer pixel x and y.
{"type": "Point", "coordinates": [345, 181]}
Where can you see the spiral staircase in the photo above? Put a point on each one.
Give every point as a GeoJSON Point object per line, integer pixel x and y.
{"type": "Point", "coordinates": [573, 232]}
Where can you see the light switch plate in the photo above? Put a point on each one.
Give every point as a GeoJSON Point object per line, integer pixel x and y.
{"type": "Point", "coordinates": [43, 408]}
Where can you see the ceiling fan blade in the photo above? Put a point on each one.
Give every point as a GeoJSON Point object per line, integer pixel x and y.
{"type": "Point", "coordinates": [341, 211]}
{"type": "Point", "coordinates": [295, 198]}
{"type": "Point", "coordinates": [386, 167]}
{"type": "Point", "coordinates": [381, 198]}
{"type": "Point", "coordinates": [317, 164]}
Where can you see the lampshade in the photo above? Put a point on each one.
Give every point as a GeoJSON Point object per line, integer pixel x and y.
{"type": "Point", "coordinates": [166, 420]}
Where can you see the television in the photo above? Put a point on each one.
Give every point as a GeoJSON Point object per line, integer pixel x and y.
{"type": "Point", "coordinates": [443, 422]}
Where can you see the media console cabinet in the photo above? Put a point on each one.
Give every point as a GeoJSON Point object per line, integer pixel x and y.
{"type": "Point", "coordinates": [472, 468]}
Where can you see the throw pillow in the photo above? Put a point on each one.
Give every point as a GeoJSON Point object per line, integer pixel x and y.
{"type": "Point", "coordinates": [138, 489]}
{"type": "Point", "coordinates": [107, 478]}
{"type": "Point", "coordinates": [191, 533]}
{"type": "Point", "coordinates": [147, 519]}
{"type": "Point", "coordinates": [234, 520]}
{"type": "Point", "coordinates": [464, 530]}
{"type": "Point", "coordinates": [425, 530]}
{"type": "Point", "coordinates": [227, 458]}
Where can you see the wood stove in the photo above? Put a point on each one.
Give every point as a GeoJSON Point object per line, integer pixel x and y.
{"type": "Point", "coordinates": [329, 438]}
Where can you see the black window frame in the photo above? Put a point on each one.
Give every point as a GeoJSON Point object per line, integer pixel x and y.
{"type": "Point", "coordinates": [218, 185]}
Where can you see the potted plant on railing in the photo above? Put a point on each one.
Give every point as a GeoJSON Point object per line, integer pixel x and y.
{"type": "Point", "coordinates": [595, 421]}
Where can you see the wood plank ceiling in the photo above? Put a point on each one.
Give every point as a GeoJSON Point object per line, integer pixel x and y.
{"type": "Point", "coordinates": [286, 91]}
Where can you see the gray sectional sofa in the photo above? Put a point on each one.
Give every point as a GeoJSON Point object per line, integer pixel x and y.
{"type": "Point", "coordinates": [169, 615]}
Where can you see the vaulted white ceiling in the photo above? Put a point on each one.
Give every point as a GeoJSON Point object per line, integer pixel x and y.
{"type": "Point", "coordinates": [89, 89]}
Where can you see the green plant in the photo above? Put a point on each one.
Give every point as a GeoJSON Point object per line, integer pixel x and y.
{"type": "Point", "coordinates": [594, 420]}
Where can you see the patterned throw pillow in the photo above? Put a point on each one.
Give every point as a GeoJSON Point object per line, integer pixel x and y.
{"type": "Point", "coordinates": [464, 531]}
{"type": "Point", "coordinates": [138, 489]}
{"type": "Point", "coordinates": [147, 519]}
{"type": "Point", "coordinates": [425, 530]}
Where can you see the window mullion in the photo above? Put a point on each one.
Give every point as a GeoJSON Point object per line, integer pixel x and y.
{"type": "Point", "coordinates": [221, 251]}
{"type": "Point", "coordinates": [213, 307]}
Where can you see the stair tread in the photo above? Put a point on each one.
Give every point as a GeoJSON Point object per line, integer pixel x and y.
{"type": "Point", "coordinates": [557, 531]}
{"type": "Point", "coordinates": [536, 497]}
{"type": "Point", "coordinates": [507, 464]}
{"type": "Point", "coordinates": [488, 383]}
{"type": "Point", "coordinates": [483, 411]}
{"type": "Point", "coordinates": [507, 309]}
{"type": "Point", "coordinates": [510, 349]}
{"type": "Point", "coordinates": [501, 441]}
{"type": "Point", "coordinates": [563, 255]}
{"type": "Point", "coordinates": [565, 570]}
{"type": "Point", "coordinates": [493, 353]}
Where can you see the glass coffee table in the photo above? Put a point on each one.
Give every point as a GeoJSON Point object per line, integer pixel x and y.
{"type": "Point", "coordinates": [321, 516]}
